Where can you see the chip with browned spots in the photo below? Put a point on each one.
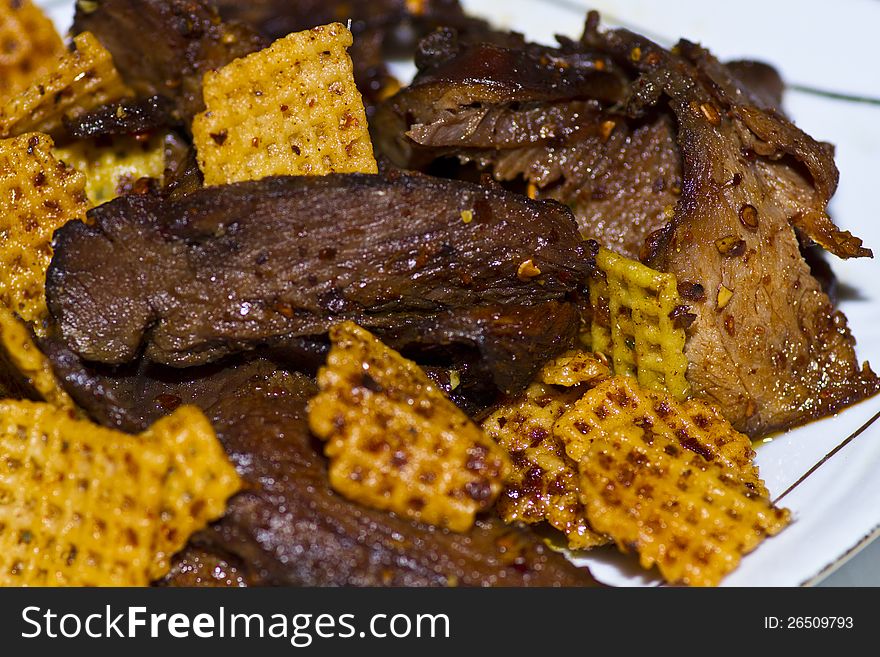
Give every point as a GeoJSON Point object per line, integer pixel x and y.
{"type": "Point", "coordinates": [673, 482]}
{"type": "Point", "coordinates": [113, 165]}
{"type": "Point", "coordinates": [290, 109]}
{"type": "Point", "coordinates": [543, 482]}
{"type": "Point", "coordinates": [82, 505]}
{"type": "Point", "coordinates": [395, 442]}
{"type": "Point", "coordinates": [38, 194]}
{"type": "Point", "coordinates": [81, 80]}
{"type": "Point", "coordinates": [29, 46]}
{"type": "Point", "coordinates": [638, 321]}
{"type": "Point", "coordinates": [574, 368]}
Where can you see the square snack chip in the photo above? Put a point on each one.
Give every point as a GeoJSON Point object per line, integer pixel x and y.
{"type": "Point", "coordinates": [38, 194]}
{"type": "Point", "coordinates": [673, 482]}
{"type": "Point", "coordinates": [543, 482]}
{"type": "Point", "coordinates": [395, 441]}
{"type": "Point", "coordinates": [80, 80]}
{"type": "Point", "coordinates": [290, 109]}
{"type": "Point", "coordinates": [634, 323]}
{"type": "Point", "coordinates": [30, 46]}
{"type": "Point", "coordinates": [82, 505]}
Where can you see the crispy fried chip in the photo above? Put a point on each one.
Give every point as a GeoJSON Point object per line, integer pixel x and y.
{"type": "Point", "coordinates": [575, 367]}
{"type": "Point", "coordinates": [37, 195]}
{"type": "Point", "coordinates": [85, 505]}
{"type": "Point", "coordinates": [395, 442]}
{"type": "Point", "coordinates": [24, 369]}
{"type": "Point", "coordinates": [634, 323]}
{"type": "Point", "coordinates": [672, 481]}
{"type": "Point", "coordinates": [290, 109]}
{"type": "Point", "coordinates": [198, 482]}
{"type": "Point", "coordinates": [30, 46]}
{"type": "Point", "coordinates": [112, 166]}
{"type": "Point", "coordinates": [543, 483]}
{"type": "Point", "coordinates": [81, 80]}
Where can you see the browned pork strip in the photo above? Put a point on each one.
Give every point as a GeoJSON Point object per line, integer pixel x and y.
{"type": "Point", "coordinates": [164, 47]}
{"type": "Point", "coordinates": [691, 168]}
{"type": "Point", "coordinates": [233, 268]}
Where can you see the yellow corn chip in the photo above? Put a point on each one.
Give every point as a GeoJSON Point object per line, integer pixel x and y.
{"type": "Point", "coordinates": [621, 402]}
{"type": "Point", "coordinates": [574, 368]}
{"type": "Point", "coordinates": [290, 109]}
{"type": "Point", "coordinates": [29, 46]}
{"type": "Point", "coordinates": [543, 483]}
{"type": "Point", "coordinates": [24, 369]}
{"type": "Point", "coordinates": [38, 194]}
{"type": "Point", "coordinates": [85, 505]}
{"type": "Point", "coordinates": [197, 484]}
{"type": "Point", "coordinates": [81, 80]}
{"type": "Point", "coordinates": [634, 323]}
{"type": "Point", "coordinates": [672, 481]}
{"type": "Point", "coordinates": [395, 442]}
{"type": "Point", "coordinates": [112, 168]}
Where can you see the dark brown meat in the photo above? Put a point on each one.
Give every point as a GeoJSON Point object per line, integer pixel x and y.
{"type": "Point", "coordinates": [231, 268]}
{"type": "Point", "coordinates": [691, 152]}
{"type": "Point", "coordinates": [122, 118]}
{"type": "Point", "coordinates": [164, 47]}
{"type": "Point", "coordinates": [545, 116]}
{"type": "Point", "coordinates": [289, 528]}
{"type": "Point", "coordinates": [777, 353]}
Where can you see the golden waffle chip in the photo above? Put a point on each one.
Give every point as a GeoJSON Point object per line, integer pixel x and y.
{"type": "Point", "coordinates": [543, 483]}
{"type": "Point", "coordinates": [574, 368]}
{"type": "Point", "coordinates": [290, 109]}
{"type": "Point", "coordinates": [634, 323]}
{"type": "Point", "coordinates": [29, 46]}
{"type": "Point", "coordinates": [38, 194]}
{"type": "Point", "coordinates": [80, 81]}
{"type": "Point", "coordinates": [620, 402]}
{"type": "Point", "coordinates": [199, 481]}
{"type": "Point", "coordinates": [24, 369]}
{"type": "Point", "coordinates": [395, 442]}
{"type": "Point", "coordinates": [112, 168]}
{"type": "Point", "coordinates": [85, 505]}
{"type": "Point", "coordinates": [673, 482]}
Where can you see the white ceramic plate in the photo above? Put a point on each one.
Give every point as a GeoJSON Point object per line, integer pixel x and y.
{"type": "Point", "coordinates": [827, 473]}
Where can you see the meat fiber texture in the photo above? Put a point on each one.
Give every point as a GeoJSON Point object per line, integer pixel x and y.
{"type": "Point", "coordinates": [689, 166]}
{"type": "Point", "coordinates": [234, 268]}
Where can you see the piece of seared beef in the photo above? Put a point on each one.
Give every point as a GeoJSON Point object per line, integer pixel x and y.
{"type": "Point", "coordinates": [126, 117]}
{"type": "Point", "coordinates": [288, 527]}
{"type": "Point", "coordinates": [691, 168]}
{"type": "Point", "coordinates": [232, 268]}
{"type": "Point", "coordinates": [381, 28]}
{"type": "Point", "coordinates": [164, 47]}
{"type": "Point", "coordinates": [546, 116]}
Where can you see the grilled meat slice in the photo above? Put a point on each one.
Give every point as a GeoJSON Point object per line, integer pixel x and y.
{"type": "Point", "coordinates": [767, 344]}
{"type": "Point", "coordinates": [289, 528]}
{"type": "Point", "coordinates": [544, 115]}
{"type": "Point", "coordinates": [231, 268]}
{"type": "Point", "coordinates": [689, 166]}
{"type": "Point", "coordinates": [164, 47]}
